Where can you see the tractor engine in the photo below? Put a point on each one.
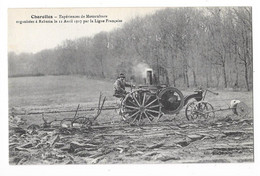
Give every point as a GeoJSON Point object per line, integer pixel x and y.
{"type": "Point", "coordinates": [170, 98]}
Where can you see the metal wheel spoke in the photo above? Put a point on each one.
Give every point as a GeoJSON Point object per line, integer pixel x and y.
{"type": "Point", "coordinates": [210, 108]}
{"type": "Point", "coordinates": [207, 110]}
{"type": "Point", "coordinates": [139, 98]}
{"type": "Point", "coordinates": [136, 101]}
{"type": "Point", "coordinates": [151, 103]}
{"type": "Point", "coordinates": [150, 114]}
{"type": "Point", "coordinates": [147, 99]}
{"type": "Point", "coordinates": [204, 107]}
{"type": "Point", "coordinates": [135, 118]}
{"type": "Point", "coordinates": [147, 117]}
{"type": "Point", "coordinates": [131, 107]}
{"type": "Point", "coordinates": [192, 106]}
{"type": "Point", "coordinates": [149, 110]}
{"type": "Point", "coordinates": [132, 103]}
{"type": "Point", "coordinates": [133, 114]}
{"type": "Point", "coordinates": [155, 106]}
{"type": "Point", "coordinates": [144, 98]}
{"type": "Point", "coordinates": [196, 116]}
{"type": "Point", "coordinates": [140, 118]}
{"type": "Point", "coordinates": [201, 110]}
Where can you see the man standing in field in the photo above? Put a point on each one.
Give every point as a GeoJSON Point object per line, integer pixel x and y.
{"type": "Point", "coordinates": [119, 86]}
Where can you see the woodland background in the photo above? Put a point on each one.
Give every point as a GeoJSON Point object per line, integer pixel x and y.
{"type": "Point", "coordinates": [185, 47]}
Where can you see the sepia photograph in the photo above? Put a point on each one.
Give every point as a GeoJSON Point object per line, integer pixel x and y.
{"type": "Point", "coordinates": [130, 85]}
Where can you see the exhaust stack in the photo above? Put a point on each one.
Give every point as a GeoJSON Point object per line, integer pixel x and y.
{"type": "Point", "coordinates": [149, 77]}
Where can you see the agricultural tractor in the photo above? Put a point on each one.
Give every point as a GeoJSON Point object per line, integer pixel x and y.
{"type": "Point", "coordinates": [149, 102]}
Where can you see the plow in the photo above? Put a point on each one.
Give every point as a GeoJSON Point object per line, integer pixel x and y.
{"type": "Point", "coordinates": [146, 104]}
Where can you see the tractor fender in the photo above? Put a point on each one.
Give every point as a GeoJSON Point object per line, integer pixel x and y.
{"type": "Point", "coordinates": [197, 97]}
{"type": "Point", "coordinates": [171, 99]}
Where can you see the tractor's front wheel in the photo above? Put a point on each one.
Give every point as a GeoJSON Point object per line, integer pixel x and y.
{"type": "Point", "coordinates": [197, 110]}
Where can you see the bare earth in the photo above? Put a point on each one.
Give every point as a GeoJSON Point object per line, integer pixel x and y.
{"type": "Point", "coordinates": [172, 140]}
{"type": "Point", "coordinates": [227, 138]}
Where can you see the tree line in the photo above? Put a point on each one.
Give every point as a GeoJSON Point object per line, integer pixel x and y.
{"type": "Point", "coordinates": [185, 47]}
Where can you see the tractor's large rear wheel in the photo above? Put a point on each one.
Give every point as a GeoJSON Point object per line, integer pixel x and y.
{"type": "Point", "coordinates": [140, 106]}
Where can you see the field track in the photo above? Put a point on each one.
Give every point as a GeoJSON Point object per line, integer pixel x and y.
{"type": "Point", "coordinates": [174, 139]}
{"type": "Point", "coordinates": [225, 140]}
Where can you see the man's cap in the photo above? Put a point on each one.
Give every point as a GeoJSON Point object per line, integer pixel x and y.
{"type": "Point", "coordinates": [122, 75]}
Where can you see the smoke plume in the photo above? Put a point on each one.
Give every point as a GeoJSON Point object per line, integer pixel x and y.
{"type": "Point", "coordinates": [140, 69]}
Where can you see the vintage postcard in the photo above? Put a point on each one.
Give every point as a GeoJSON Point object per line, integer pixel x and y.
{"type": "Point", "coordinates": [130, 85]}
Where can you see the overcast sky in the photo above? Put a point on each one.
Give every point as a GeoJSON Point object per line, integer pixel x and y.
{"type": "Point", "coordinates": [35, 37]}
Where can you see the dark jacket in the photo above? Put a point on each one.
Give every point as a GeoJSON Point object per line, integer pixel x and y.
{"type": "Point", "coordinates": [120, 85]}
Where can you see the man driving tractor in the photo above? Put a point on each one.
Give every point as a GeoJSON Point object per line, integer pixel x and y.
{"type": "Point", "coordinates": [119, 86]}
